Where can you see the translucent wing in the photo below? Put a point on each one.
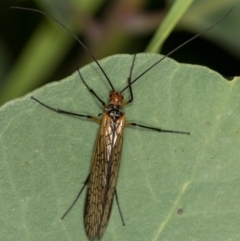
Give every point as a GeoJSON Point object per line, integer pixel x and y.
{"type": "Point", "coordinates": [103, 176]}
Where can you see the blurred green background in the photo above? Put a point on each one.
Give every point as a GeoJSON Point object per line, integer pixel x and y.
{"type": "Point", "coordinates": [34, 50]}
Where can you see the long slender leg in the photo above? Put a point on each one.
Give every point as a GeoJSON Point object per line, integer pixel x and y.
{"type": "Point", "coordinates": [129, 82]}
{"type": "Point", "coordinates": [130, 79]}
{"type": "Point", "coordinates": [90, 90]}
{"type": "Point", "coordinates": [65, 112]}
{"type": "Point", "coordinates": [119, 209]}
{"type": "Point", "coordinates": [156, 129]}
{"type": "Point", "coordinates": [75, 200]}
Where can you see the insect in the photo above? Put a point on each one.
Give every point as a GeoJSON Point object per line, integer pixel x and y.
{"type": "Point", "coordinates": [102, 179]}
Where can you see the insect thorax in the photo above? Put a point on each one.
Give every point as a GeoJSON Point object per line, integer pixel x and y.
{"type": "Point", "coordinates": [114, 111]}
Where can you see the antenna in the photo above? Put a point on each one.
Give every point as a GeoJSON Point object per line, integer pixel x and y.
{"type": "Point", "coordinates": [71, 33]}
{"type": "Point", "coordinates": [177, 48]}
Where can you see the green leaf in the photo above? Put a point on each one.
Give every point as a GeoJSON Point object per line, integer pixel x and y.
{"type": "Point", "coordinates": [176, 12]}
{"type": "Point", "coordinates": [170, 187]}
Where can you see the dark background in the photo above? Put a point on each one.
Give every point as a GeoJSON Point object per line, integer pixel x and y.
{"type": "Point", "coordinates": [17, 27]}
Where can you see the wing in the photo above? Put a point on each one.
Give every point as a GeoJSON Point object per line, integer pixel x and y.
{"type": "Point", "coordinates": [103, 176]}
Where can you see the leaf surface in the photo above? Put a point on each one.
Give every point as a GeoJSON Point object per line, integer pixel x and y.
{"type": "Point", "coordinates": [170, 187]}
